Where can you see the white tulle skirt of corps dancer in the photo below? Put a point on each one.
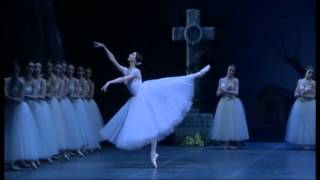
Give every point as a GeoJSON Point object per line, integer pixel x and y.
{"type": "Point", "coordinates": [95, 118]}
{"type": "Point", "coordinates": [301, 128]}
{"type": "Point", "coordinates": [156, 108]}
{"type": "Point", "coordinates": [53, 128]}
{"type": "Point", "coordinates": [42, 115]}
{"type": "Point", "coordinates": [87, 130]}
{"type": "Point", "coordinates": [94, 142]}
{"type": "Point", "coordinates": [21, 133]}
{"type": "Point", "coordinates": [59, 123]}
{"type": "Point", "coordinates": [75, 141]}
{"type": "Point", "coordinates": [229, 122]}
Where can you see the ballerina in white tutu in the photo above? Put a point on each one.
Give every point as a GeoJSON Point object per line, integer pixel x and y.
{"type": "Point", "coordinates": [229, 122]}
{"type": "Point", "coordinates": [61, 120]}
{"type": "Point", "coordinates": [83, 90]}
{"type": "Point", "coordinates": [301, 127]}
{"type": "Point", "coordinates": [52, 88]}
{"type": "Point", "coordinates": [157, 106]}
{"type": "Point", "coordinates": [31, 97]}
{"type": "Point", "coordinates": [96, 117]}
{"type": "Point", "coordinates": [21, 133]}
{"type": "Point", "coordinates": [43, 116]}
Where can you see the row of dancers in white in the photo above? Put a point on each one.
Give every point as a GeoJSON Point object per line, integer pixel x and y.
{"type": "Point", "coordinates": [157, 106]}
{"type": "Point", "coordinates": [50, 116]}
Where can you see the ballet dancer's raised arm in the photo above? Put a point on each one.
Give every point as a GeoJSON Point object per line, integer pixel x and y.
{"type": "Point", "coordinates": [111, 57]}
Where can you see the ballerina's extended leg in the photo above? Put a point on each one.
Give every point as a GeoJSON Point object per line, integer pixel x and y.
{"type": "Point", "coordinates": [153, 154]}
{"type": "Point", "coordinates": [201, 73]}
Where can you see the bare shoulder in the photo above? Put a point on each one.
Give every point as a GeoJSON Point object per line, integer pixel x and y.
{"type": "Point", "coordinates": [138, 70]}
{"type": "Point", "coordinates": [124, 70]}
{"type": "Point", "coordinates": [299, 81]}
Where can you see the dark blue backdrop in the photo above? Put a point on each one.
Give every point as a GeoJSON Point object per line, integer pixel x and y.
{"type": "Point", "coordinates": [249, 34]}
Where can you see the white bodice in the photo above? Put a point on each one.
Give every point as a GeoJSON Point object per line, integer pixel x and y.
{"type": "Point", "coordinates": [305, 85]}
{"type": "Point", "coordinates": [227, 84]}
{"type": "Point", "coordinates": [28, 88]}
{"type": "Point", "coordinates": [134, 84]}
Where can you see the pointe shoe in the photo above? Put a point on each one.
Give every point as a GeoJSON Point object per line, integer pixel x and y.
{"type": "Point", "coordinates": [154, 160]}
{"type": "Point", "coordinates": [34, 165]}
{"type": "Point", "coordinates": [306, 147]}
{"type": "Point", "coordinates": [66, 157]}
{"type": "Point", "coordinates": [80, 153]}
{"type": "Point", "coordinates": [15, 168]}
{"type": "Point", "coordinates": [38, 162]}
{"type": "Point", "coordinates": [56, 157]}
{"type": "Point", "coordinates": [233, 147]}
{"type": "Point", "coordinates": [204, 70]}
{"type": "Point", "coordinates": [226, 147]}
{"type": "Point", "coordinates": [50, 160]}
{"type": "Point", "coordinates": [24, 164]}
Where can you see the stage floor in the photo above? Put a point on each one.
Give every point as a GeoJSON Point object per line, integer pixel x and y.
{"type": "Point", "coordinates": [256, 161]}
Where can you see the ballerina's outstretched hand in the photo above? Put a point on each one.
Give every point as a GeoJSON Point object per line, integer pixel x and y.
{"type": "Point", "coordinates": [105, 87]}
{"type": "Point", "coordinates": [98, 44]}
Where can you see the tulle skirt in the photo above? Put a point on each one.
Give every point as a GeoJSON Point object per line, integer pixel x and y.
{"type": "Point", "coordinates": [229, 122]}
{"type": "Point", "coordinates": [86, 128]}
{"type": "Point", "coordinates": [74, 138]}
{"type": "Point", "coordinates": [41, 112]}
{"type": "Point", "coordinates": [95, 118]}
{"type": "Point", "coordinates": [22, 140]}
{"type": "Point", "coordinates": [301, 128]}
{"type": "Point", "coordinates": [152, 114]}
{"type": "Point", "coordinates": [59, 123]}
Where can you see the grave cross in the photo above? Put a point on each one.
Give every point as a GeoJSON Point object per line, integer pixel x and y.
{"type": "Point", "coordinates": [193, 34]}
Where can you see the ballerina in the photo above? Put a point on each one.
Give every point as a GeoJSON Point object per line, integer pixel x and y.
{"type": "Point", "coordinates": [93, 108]}
{"type": "Point", "coordinates": [302, 119]}
{"type": "Point", "coordinates": [229, 122]}
{"type": "Point", "coordinates": [157, 106]}
{"type": "Point", "coordinates": [21, 134]}
{"type": "Point", "coordinates": [62, 121]}
{"type": "Point", "coordinates": [53, 86]}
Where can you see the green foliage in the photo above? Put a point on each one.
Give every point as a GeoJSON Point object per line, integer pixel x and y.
{"type": "Point", "coordinates": [193, 140]}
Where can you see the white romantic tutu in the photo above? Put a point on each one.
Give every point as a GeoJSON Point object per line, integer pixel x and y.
{"type": "Point", "coordinates": [22, 141]}
{"type": "Point", "coordinates": [152, 113]}
{"type": "Point", "coordinates": [52, 128]}
{"type": "Point", "coordinates": [41, 113]}
{"type": "Point", "coordinates": [69, 115]}
{"type": "Point", "coordinates": [59, 123]}
{"type": "Point", "coordinates": [86, 129]}
{"type": "Point", "coordinates": [229, 122]}
{"type": "Point", "coordinates": [95, 118]}
{"type": "Point", "coordinates": [301, 128]}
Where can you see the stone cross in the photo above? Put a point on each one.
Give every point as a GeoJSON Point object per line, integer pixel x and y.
{"type": "Point", "coordinates": [193, 34]}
